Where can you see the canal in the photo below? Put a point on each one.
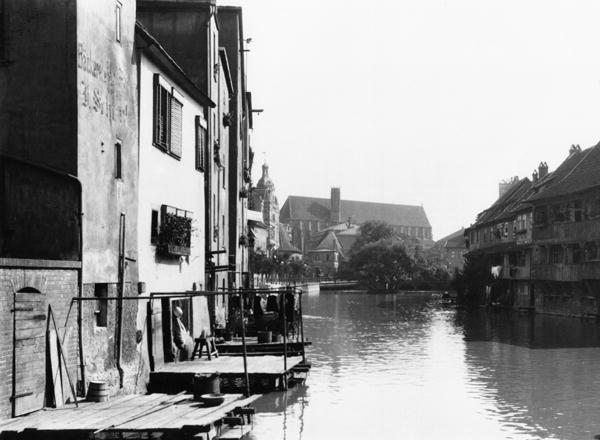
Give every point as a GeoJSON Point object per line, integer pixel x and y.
{"type": "Point", "coordinates": [403, 366]}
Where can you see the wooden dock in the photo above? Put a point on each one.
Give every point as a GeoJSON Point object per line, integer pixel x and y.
{"type": "Point", "coordinates": [266, 373]}
{"type": "Point", "coordinates": [254, 348]}
{"type": "Point", "coordinates": [136, 416]}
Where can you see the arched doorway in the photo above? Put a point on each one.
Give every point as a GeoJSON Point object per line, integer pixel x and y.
{"type": "Point", "coordinates": [29, 350]}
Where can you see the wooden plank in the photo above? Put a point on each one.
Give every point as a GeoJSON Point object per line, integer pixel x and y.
{"type": "Point", "coordinates": [54, 368]}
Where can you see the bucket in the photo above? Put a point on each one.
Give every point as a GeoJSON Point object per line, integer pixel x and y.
{"type": "Point", "coordinates": [97, 391]}
{"type": "Point", "coordinates": [264, 337]}
{"type": "Point", "coordinates": [206, 384]}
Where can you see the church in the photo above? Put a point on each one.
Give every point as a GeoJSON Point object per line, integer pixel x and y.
{"type": "Point", "coordinates": [307, 216]}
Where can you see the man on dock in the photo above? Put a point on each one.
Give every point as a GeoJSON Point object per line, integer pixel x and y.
{"type": "Point", "coordinates": [182, 340]}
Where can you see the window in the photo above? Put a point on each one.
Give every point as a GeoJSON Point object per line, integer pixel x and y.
{"type": "Point", "coordinates": [201, 143]}
{"type": "Point", "coordinates": [118, 174]}
{"type": "Point", "coordinates": [154, 227]}
{"type": "Point", "coordinates": [168, 111]}
{"type": "Point", "coordinates": [556, 254]}
{"type": "Point", "coordinates": [224, 177]}
{"type": "Point", "coordinates": [118, 8]}
{"type": "Point", "coordinates": [101, 292]}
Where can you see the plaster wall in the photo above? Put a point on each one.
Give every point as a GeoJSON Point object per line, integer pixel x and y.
{"type": "Point", "coordinates": [165, 180]}
{"type": "Point", "coordinates": [106, 102]}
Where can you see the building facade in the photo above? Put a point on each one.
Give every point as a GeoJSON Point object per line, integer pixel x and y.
{"type": "Point", "coordinates": [541, 239]}
{"type": "Point", "coordinates": [123, 150]}
{"type": "Point", "coordinates": [69, 158]}
{"type": "Point", "coordinates": [309, 215]}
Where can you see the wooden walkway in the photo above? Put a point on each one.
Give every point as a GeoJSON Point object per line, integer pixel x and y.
{"type": "Point", "coordinates": [267, 373]}
{"type": "Point", "coordinates": [133, 416]}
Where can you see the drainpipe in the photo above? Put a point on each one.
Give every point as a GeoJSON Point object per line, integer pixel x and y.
{"type": "Point", "coordinates": [119, 305]}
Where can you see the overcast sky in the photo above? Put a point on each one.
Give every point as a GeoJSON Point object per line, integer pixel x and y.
{"type": "Point", "coordinates": [427, 102]}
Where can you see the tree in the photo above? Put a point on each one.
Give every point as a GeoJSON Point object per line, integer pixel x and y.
{"type": "Point", "coordinates": [382, 266]}
{"type": "Point", "coordinates": [371, 232]}
{"type": "Point", "coordinates": [470, 283]}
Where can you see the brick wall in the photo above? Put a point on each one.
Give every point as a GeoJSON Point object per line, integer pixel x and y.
{"type": "Point", "coordinates": [58, 287]}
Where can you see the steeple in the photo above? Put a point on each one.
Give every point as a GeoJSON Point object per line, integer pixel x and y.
{"type": "Point", "coordinates": [265, 169]}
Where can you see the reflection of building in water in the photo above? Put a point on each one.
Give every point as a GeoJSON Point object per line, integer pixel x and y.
{"type": "Point", "coordinates": [548, 391]}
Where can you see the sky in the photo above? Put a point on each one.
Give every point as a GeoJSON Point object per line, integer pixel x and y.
{"type": "Point", "coordinates": [430, 102]}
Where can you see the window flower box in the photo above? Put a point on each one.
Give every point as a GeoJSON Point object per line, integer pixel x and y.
{"type": "Point", "coordinates": [174, 238]}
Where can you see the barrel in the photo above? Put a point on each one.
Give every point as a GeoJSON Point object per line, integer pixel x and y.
{"type": "Point", "coordinates": [98, 391]}
{"type": "Point", "coordinates": [264, 337]}
{"type": "Point", "coordinates": [206, 384]}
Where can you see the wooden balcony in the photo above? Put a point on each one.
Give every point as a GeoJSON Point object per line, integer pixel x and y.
{"type": "Point", "coordinates": [515, 272]}
{"type": "Point", "coordinates": [587, 270]}
{"type": "Point", "coordinates": [556, 272]}
{"type": "Point", "coordinates": [588, 230]}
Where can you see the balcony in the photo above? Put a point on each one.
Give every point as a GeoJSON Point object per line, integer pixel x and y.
{"type": "Point", "coordinates": [556, 272]}
{"type": "Point", "coordinates": [515, 273]}
{"type": "Point", "coordinates": [587, 270]}
{"type": "Point", "coordinates": [588, 230]}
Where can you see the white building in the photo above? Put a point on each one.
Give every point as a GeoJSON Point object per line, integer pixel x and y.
{"type": "Point", "coordinates": [173, 156]}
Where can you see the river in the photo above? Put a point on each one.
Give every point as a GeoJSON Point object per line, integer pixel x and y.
{"type": "Point", "coordinates": [403, 366]}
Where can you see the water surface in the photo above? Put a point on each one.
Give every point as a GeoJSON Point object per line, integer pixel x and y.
{"type": "Point", "coordinates": [405, 367]}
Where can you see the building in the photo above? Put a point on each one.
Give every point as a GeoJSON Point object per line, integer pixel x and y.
{"type": "Point", "coordinates": [308, 215]}
{"type": "Point", "coordinates": [208, 43]}
{"type": "Point", "coordinates": [189, 32]}
{"type": "Point", "coordinates": [239, 121]}
{"type": "Point", "coordinates": [69, 167]}
{"type": "Point", "coordinates": [103, 121]}
{"type": "Point", "coordinates": [502, 235]}
{"type": "Point", "coordinates": [263, 199]}
{"type": "Point", "coordinates": [566, 236]}
{"type": "Point", "coordinates": [451, 250]}
{"type": "Point", "coordinates": [173, 154]}
{"type": "Point", "coordinates": [541, 238]}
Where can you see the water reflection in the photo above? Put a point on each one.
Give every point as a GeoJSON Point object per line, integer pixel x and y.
{"type": "Point", "coordinates": [402, 366]}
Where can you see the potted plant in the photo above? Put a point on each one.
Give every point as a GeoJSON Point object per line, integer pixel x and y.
{"type": "Point", "coordinates": [175, 233]}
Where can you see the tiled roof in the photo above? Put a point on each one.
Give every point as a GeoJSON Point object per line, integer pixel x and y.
{"type": "Point", "coordinates": [507, 205]}
{"type": "Point", "coordinates": [578, 172]}
{"type": "Point", "coordinates": [313, 208]}
{"type": "Point", "coordinates": [454, 240]}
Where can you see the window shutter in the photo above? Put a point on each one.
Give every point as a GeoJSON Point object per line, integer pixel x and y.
{"type": "Point", "coordinates": [156, 111]}
{"type": "Point", "coordinates": [176, 127]}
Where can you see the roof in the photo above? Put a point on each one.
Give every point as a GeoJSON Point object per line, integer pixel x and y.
{"type": "Point", "coordinates": [313, 208]}
{"type": "Point", "coordinates": [284, 243]}
{"type": "Point", "coordinates": [580, 171]}
{"type": "Point", "coordinates": [454, 240]}
{"type": "Point", "coordinates": [508, 204]}
{"type": "Point", "coordinates": [158, 54]}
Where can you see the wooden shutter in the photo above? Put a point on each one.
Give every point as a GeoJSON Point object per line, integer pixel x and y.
{"type": "Point", "coordinates": [176, 127]}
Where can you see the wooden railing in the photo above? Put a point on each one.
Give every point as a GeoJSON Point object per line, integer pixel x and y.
{"type": "Point", "coordinates": [587, 270]}
{"type": "Point", "coordinates": [516, 272]}
{"type": "Point", "coordinates": [568, 231]}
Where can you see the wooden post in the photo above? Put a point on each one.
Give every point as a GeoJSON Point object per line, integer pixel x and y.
{"type": "Point", "coordinates": [301, 326]}
{"type": "Point", "coordinates": [14, 359]}
{"type": "Point", "coordinates": [246, 375]}
{"type": "Point", "coordinates": [285, 339]}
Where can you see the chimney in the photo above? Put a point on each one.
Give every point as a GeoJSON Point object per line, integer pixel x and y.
{"type": "Point", "coordinates": [542, 170]}
{"type": "Point", "coordinates": [336, 214]}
